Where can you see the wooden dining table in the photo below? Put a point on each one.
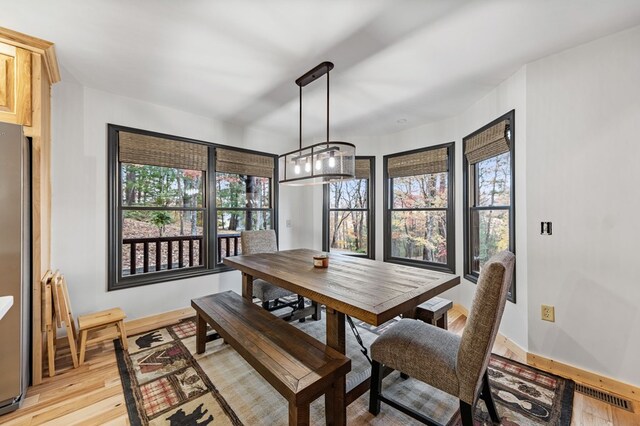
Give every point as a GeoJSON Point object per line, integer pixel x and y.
{"type": "Point", "coordinates": [369, 290]}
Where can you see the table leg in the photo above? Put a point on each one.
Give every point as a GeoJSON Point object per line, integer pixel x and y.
{"type": "Point", "coordinates": [201, 333]}
{"type": "Point", "coordinates": [335, 400]}
{"type": "Point", "coordinates": [247, 286]}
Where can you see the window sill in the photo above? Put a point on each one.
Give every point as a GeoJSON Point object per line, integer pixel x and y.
{"type": "Point", "coordinates": [472, 278]}
{"type": "Point", "coordinates": [422, 265]}
{"type": "Point", "coordinates": [150, 279]}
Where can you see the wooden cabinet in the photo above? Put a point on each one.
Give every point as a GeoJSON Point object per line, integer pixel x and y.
{"type": "Point", "coordinates": [28, 68]}
{"type": "Point", "coordinates": [15, 85]}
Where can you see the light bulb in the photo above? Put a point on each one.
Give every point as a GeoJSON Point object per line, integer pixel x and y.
{"type": "Point", "coordinates": [332, 161]}
{"type": "Point", "coordinates": [318, 164]}
{"type": "Point", "coordinates": [296, 169]}
{"type": "Point", "coordinates": [307, 166]}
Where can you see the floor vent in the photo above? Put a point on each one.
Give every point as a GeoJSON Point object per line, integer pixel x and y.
{"type": "Point", "coordinates": [609, 398]}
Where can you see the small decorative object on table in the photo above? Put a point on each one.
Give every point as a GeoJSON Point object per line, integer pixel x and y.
{"type": "Point", "coordinates": [321, 261]}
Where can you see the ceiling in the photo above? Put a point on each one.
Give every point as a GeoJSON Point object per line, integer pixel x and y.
{"type": "Point", "coordinates": [415, 61]}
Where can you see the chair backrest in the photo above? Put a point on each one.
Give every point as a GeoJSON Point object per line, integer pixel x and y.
{"type": "Point", "coordinates": [483, 323]}
{"type": "Point", "coordinates": [259, 241]}
{"type": "Point", "coordinates": [47, 301]}
{"type": "Point", "coordinates": [61, 301]}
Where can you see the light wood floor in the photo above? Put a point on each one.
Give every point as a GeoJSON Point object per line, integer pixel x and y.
{"type": "Point", "coordinates": [92, 394]}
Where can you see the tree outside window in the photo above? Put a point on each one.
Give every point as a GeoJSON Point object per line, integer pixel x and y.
{"type": "Point", "coordinates": [348, 212]}
{"type": "Point", "coordinates": [489, 195]}
{"type": "Point", "coordinates": [177, 206]}
{"type": "Point", "coordinates": [419, 208]}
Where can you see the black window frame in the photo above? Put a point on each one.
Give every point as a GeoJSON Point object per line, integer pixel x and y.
{"type": "Point", "coordinates": [450, 266]}
{"type": "Point", "coordinates": [469, 274]}
{"type": "Point", "coordinates": [115, 280]}
{"type": "Point", "coordinates": [371, 222]}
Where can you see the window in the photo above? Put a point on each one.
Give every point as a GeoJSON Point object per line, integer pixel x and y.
{"type": "Point", "coordinates": [489, 216]}
{"type": "Point", "coordinates": [243, 197]}
{"type": "Point", "coordinates": [162, 224]}
{"type": "Point", "coordinates": [348, 225]}
{"type": "Point", "coordinates": [419, 208]}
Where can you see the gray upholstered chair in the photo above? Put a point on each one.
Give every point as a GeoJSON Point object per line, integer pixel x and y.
{"type": "Point", "coordinates": [264, 241]}
{"type": "Point", "coordinates": [456, 365]}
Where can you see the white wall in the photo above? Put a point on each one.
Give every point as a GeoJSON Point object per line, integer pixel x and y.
{"type": "Point", "coordinates": [583, 122]}
{"type": "Point", "coordinates": [511, 94]}
{"type": "Point", "coordinates": [79, 195]}
{"type": "Point", "coordinates": [577, 121]}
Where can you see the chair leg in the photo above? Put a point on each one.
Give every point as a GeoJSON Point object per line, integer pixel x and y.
{"type": "Point", "coordinates": [83, 345]}
{"type": "Point", "coordinates": [72, 345]}
{"type": "Point", "coordinates": [466, 413]}
{"type": "Point", "coordinates": [300, 306]}
{"type": "Point", "coordinates": [488, 399]}
{"type": "Point", "coordinates": [317, 311]}
{"type": "Point", "coordinates": [51, 350]}
{"type": "Point", "coordinates": [376, 385]}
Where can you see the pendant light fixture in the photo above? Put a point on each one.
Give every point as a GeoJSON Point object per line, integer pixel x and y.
{"type": "Point", "coordinates": [323, 162]}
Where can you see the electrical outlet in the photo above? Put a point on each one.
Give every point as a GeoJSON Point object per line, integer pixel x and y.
{"type": "Point", "coordinates": [288, 223]}
{"type": "Point", "coordinates": [548, 313]}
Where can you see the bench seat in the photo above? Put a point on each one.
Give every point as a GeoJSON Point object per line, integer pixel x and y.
{"type": "Point", "coordinates": [298, 366]}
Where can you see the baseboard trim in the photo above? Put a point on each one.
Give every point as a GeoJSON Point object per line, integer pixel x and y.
{"type": "Point", "coordinates": [584, 376]}
{"type": "Point", "coordinates": [565, 370]}
{"type": "Point", "coordinates": [138, 325]}
{"type": "Point", "coordinates": [142, 325]}
{"type": "Point", "coordinates": [520, 353]}
{"type": "Point", "coordinates": [458, 307]}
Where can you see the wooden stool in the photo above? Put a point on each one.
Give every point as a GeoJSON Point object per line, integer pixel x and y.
{"type": "Point", "coordinates": [434, 311]}
{"type": "Point", "coordinates": [98, 321]}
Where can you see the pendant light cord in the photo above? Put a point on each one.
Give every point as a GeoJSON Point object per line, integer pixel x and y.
{"type": "Point", "coordinates": [300, 136]}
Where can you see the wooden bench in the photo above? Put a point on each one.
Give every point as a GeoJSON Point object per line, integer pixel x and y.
{"type": "Point", "coordinates": [434, 311]}
{"type": "Point", "coordinates": [298, 366]}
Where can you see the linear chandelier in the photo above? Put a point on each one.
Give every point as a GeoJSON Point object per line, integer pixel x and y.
{"type": "Point", "coordinates": [322, 162]}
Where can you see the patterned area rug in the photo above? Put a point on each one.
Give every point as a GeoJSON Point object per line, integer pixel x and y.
{"type": "Point", "coordinates": [166, 383]}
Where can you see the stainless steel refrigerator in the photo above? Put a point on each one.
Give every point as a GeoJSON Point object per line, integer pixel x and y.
{"type": "Point", "coordinates": [15, 265]}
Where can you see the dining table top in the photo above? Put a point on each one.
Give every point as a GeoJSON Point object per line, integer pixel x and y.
{"type": "Point", "coordinates": [370, 290]}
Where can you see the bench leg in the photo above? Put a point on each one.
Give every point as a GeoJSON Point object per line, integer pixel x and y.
{"type": "Point", "coordinates": [298, 415]}
{"type": "Point", "coordinates": [201, 333]}
{"type": "Point", "coordinates": [443, 322]}
{"type": "Point", "coordinates": [334, 402]}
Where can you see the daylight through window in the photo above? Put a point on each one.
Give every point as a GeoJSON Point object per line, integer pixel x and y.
{"type": "Point", "coordinates": [162, 224]}
{"type": "Point", "coordinates": [489, 221]}
{"type": "Point", "coordinates": [419, 228]}
{"type": "Point", "coordinates": [348, 223]}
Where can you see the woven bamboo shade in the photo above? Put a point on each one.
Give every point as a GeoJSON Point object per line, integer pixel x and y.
{"type": "Point", "coordinates": [150, 150]}
{"type": "Point", "coordinates": [488, 143]}
{"type": "Point", "coordinates": [363, 169]}
{"type": "Point", "coordinates": [419, 163]}
{"type": "Point", "coordinates": [244, 163]}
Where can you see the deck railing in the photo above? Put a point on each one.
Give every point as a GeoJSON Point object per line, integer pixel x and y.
{"type": "Point", "coordinates": [163, 253]}
{"type": "Point", "coordinates": [226, 240]}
